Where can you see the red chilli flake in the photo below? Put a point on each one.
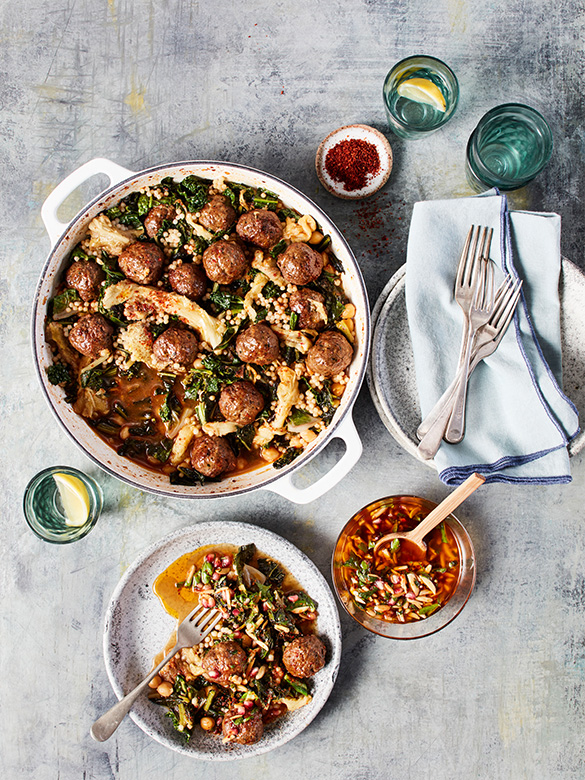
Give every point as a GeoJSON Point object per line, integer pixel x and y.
{"type": "Point", "coordinates": [352, 162]}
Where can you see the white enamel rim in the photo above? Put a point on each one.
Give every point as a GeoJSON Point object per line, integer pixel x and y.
{"type": "Point", "coordinates": [136, 628]}
{"type": "Point", "coordinates": [64, 236]}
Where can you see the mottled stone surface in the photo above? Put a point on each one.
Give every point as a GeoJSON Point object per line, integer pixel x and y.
{"type": "Point", "coordinates": [499, 693]}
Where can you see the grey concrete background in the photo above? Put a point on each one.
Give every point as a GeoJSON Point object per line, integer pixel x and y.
{"type": "Point", "coordinates": [499, 693]}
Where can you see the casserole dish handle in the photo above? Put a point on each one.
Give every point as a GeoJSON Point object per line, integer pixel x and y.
{"type": "Point", "coordinates": [353, 450]}
{"type": "Point", "coordinates": [115, 173]}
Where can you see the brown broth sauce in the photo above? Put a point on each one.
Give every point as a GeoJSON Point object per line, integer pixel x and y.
{"type": "Point", "coordinates": [142, 397]}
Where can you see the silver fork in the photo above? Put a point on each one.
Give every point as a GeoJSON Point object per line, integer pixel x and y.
{"type": "Point", "coordinates": [466, 280]}
{"type": "Point", "coordinates": [192, 630]}
{"type": "Point", "coordinates": [480, 312]}
{"type": "Point", "coordinates": [487, 340]}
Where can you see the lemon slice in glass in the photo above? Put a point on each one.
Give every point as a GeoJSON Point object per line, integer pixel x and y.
{"type": "Point", "coordinates": [423, 91]}
{"type": "Point", "coordinates": [74, 497]}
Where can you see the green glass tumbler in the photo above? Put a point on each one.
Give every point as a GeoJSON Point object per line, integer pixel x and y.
{"type": "Point", "coordinates": [511, 144]}
{"type": "Point", "coordinates": [44, 509]}
{"type": "Point", "coordinates": [420, 95]}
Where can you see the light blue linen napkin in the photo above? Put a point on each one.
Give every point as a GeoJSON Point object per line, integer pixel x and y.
{"type": "Point", "coordinates": [519, 421]}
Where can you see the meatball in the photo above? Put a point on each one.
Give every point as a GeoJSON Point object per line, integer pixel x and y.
{"type": "Point", "coordinates": [224, 262]}
{"type": "Point", "coordinates": [142, 262]}
{"type": "Point", "coordinates": [86, 277]}
{"type": "Point", "coordinates": [224, 660]}
{"type": "Point", "coordinates": [155, 218]}
{"type": "Point", "coordinates": [240, 402]}
{"type": "Point", "coordinates": [188, 279]}
{"type": "Point", "coordinates": [330, 355]}
{"type": "Point", "coordinates": [260, 227]}
{"type": "Point", "coordinates": [176, 345]}
{"type": "Point", "coordinates": [218, 214]}
{"type": "Point", "coordinates": [304, 656]}
{"type": "Point", "coordinates": [310, 307]}
{"type": "Point", "coordinates": [257, 344]}
{"type": "Point", "coordinates": [91, 334]}
{"type": "Point", "coordinates": [246, 731]}
{"type": "Point", "coordinates": [299, 264]}
{"type": "Point", "coordinates": [212, 455]}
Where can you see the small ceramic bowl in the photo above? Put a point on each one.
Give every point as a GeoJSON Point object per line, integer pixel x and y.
{"type": "Point", "coordinates": [422, 627]}
{"type": "Point", "coordinates": [346, 182]}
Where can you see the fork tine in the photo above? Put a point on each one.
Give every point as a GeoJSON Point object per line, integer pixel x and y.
{"type": "Point", "coordinates": [196, 613]}
{"type": "Point", "coordinates": [509, 307]}
{"type": "Point", "coordinates": [463, 259]}
{"type": "Point", "coordinates": [204, 618]}
{"type": "Point", "coordinates": [211, 626]}
{"type": "Point", "coordinates": [471, 263]}
{"type": "Point", "coordinates": [475, 266]}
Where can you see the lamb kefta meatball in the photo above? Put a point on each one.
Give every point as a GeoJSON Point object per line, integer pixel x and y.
{"type": "Point", "coordinates": [91, 334]}
{"type": "Point", "coordinates": [86, 277]}
{"type": "Point", "coordinates": [299, 264]}
{"type": "Point", "coordinates": [217, 215]}
{"type": "Point", "coordinates": [156, 216]}
{"type": "Point", "coordinates": [260, 227]}
{"type": "Point", "coordinates": [224, 262]}
{"type": "Point", "coordinates": [240, 402]}
{"type": "Point", "coordinates": [224, 660]}
{"type": "Point", "coordinates": [257, 344]}
{"type": "Point", "coordinates": [330, 355]}
{"type": "Point", "coordinates": [304, 656]}
{"type": "Point", "coordinates": [176, 345]}
{"type": "Point", "coordinates": [188, 279]}
{"type": "Point", "coordinates": [142, 262]}
{"type": "Point", "coordinates": [244, 731]}
{"type": "Point", "coordinates": [309, 305]}
{"type": "Point", "coordinates": [212, 455]}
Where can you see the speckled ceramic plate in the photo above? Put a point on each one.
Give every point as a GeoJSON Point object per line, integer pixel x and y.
{"type": "Point", "coordinates": [137, 627]}
{"type": "Point", "coordinates": [391, 377]}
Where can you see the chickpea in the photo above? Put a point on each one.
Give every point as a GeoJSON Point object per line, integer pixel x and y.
{"type": "Point", "coordinates": [207, 723]}
{"type": "Point", "coordinates": [165, 689]}
{"type": "Point", "coordinates": [246, 641]}
{"type": "Point", "coordinates": [155, 682]}
{"type": "Point", "coordinates": [316, 237]}
{"type": "Point", "coordinates": [337, 389]}
{"type": "Point", "coordinates": [308, 436]}
{"type": "Point", "coordinates": [348, 312]}
{"type": "Point", "coordinates": [270, 454]}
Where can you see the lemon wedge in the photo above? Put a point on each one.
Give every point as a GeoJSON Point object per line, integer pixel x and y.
{"type": "Point", "coordinates": [423, 91]}
{"type": "Point", "coordinates": [74, 497]}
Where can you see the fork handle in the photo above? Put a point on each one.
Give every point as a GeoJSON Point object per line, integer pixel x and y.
{"type": "Point", "coordinates": [105, 726]}
{"type": "Point", "coordinates": [456, 424]}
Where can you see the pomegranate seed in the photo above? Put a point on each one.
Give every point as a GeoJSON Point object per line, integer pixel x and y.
{"type": "Point", "coordinates": [217, 562]}
{"type": "Point", "coordinates": [215, 576]}
{"type": "Point", "coordinates": [213, 674]}
{"type": "Point", "coordinates": [293, 598]}
{"type": "Point", "coordinates": [210, 557]}
{"type": "Point", "coordinates": [249, 703]}
{"type": "Point", "coordinates": [226, 561]}
{"type": "Point", "coordinates": [235, 612]}
{"type": "Point", "coordinates": [237, 634]}
{"type": "Point", "coordinates": [254, 672]}
{"type": "Point", "coordinates": [240, 709]}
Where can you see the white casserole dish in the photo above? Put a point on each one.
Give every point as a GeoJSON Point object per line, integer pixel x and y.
{"type": "Point", "coordinates": [65, 236]}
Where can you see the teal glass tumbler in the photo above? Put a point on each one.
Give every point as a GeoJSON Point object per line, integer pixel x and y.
{"type": "Point", "coordinates": [44, 510]}
{"type": "Point", "coordinates": [420, 96]}
{"type": "Point", "coordinates": [510, 145]}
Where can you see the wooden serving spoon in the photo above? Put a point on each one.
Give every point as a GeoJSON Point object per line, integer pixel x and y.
{"type": "Point", "coordinates": [438, 514]}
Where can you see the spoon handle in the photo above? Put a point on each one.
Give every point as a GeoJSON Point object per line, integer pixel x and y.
{"type": "Point", "coordinates": [447, 506]}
